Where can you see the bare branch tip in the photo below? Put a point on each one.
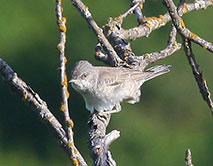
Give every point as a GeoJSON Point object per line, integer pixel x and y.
{"type": "Point", "coordinates": [111, 137]}
{"type": "Point", "coordinates": [188, 158]}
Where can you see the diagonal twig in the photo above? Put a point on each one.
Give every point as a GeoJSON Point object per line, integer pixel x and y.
{"type": "Point", "coordinates": [179, 24]}
{"type": "Point", "coordinates": [148, 58]}
{"type": "Point", "coordinates": [39, 106]}
{"type": "Point", "coordinates": [113, 58]}
{"type": "Point", "coordinates": [138, 10]}
{"type": "Point", "coordinates": [134, 6]}
{"type": "Point", "coordinates": [201, 82]}
{"type": "Point", "coordinates": [153, 23]}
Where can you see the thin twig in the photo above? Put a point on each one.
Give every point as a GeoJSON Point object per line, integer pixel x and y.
{"type": "Point", "coordinates": [153, 23]}
{"type": "Point", "coordinates": [148, 58]}
{"type": "Point", "coordinates": [39, 106]}
{"type": "Point", "coordinates": [61, 47]}
{"type": "Point", "coordinates": [64, 85]}
{"type": "Point", "coordinates": [130, 11]}
{"type": "Point", "coordinates": [179, 24]}
{"type": "Point", "coordinates": [201, 82]}
{"type": "Point", "coordinates": [138, 10]}
{"type": "Point", "coordinates": [113, 58]}
{"type": "Point", "coordinates": [173, 35]}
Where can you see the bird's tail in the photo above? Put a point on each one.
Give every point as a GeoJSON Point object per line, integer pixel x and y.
{"type": "Point", "coordinates": [157, 71]}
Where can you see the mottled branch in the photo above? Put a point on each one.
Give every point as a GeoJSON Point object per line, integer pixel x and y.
{"type": "Point", "coordinates": [113, 58]}
{"type": "Point", "coordinates": [99, 141]}
{"type": "Point", "coordinates": [138, 10]}
{"type": "Point", "coordinates": [201, 82]}
{"type": "Point", "coordinates": [180, 26]}
{"type": "Point", "coordinates": [39, 106]}
{"type": "Point", "coordinates": [136, 6]}
{"type": "Point", "coordinates": [74, 153]}
{"type": "Point", "coordinates": [178, 22]}
{"type": "Point", "coordinates": [153, 23]}
{"type": "Point", "coordinates": [171, 48]}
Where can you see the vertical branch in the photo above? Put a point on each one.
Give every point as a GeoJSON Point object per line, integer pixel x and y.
{"type": "Point", "coordinates": [61, 47]}
{"type": "Point", "coordinates": [100, 141]}
{"type": "Point", "coordinates": [61, 21]}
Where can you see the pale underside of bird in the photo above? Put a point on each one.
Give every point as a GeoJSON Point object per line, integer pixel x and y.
{"type": "Point", "coordinates": [104, 88]}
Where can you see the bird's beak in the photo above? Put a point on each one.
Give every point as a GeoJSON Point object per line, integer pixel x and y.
{"type": "Point", "coordinates": [72, 81]}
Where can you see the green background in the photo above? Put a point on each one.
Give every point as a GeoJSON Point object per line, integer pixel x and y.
{"type": "Point", "coordinates": [170, 118]}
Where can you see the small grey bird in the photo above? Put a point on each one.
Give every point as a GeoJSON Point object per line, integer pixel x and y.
{"type": "Point", "coordinates": [104, 88]}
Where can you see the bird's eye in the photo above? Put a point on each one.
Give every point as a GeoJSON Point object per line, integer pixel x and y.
{"type": "Point", "coordinates": [84, 75]}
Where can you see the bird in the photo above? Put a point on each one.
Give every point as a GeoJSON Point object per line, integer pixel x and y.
{"type": "Point", "coordinates": [104, 88]}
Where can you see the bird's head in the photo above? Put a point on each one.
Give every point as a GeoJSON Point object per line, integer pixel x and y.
{"type": "Point", "coordinates": [83, 76]}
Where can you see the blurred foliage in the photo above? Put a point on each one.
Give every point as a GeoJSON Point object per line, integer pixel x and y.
{"type": "Point", "coordinates": [170, 118]}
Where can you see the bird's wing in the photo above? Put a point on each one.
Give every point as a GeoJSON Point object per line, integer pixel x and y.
{"type": "Point", "coordinates": [115, 76]}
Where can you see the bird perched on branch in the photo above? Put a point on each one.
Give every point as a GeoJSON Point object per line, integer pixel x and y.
{"type": "Point", "coordinates": [104, 88]}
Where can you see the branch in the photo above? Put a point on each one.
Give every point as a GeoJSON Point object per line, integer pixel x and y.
{"type": "Point", "coordinates": [149, 58]}
{"type": "Point", "coordinates": [201, 82]}
{"type": "Point", "coordinates": [99, 141]}
{"type": "Point", "coordinates": [112, 29]}
{"type": "Point", "coordinates": [179, 24]}
{"type": "Point", "coordinates": [153, 23]}
{"type": "Point", "coordinates": [188, 158]}
{"type": "Point", "coordinates": [39, 106]}
{"type": "Point", "coordinates": [177, 21]}
{"type": "Point", "coordinates": [74, 153]}
{"type": "Point", "coordinates": [112, 57]}
{"type": "Point", "coordinates": [138, 11]}
{"type": "Point", "coordinates": [136, 6]}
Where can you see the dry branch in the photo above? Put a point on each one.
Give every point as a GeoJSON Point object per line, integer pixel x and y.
{"type": "Point", "coordinates": [114, 49]}
{"type": "Point", "coordinates": [112, 57]}
{"type": "Point", "coordinates": [201, 82]}
{"type": "Point", "coordinates": [180, 26]}
{"type": "Point", "coordinates": [39, 106]}
{"type": "Point", "coordinates": [118, 52]}
{"type": "Point", "coordinates": [153, 23]}
{"type": "Point", "coordinates": [99, 141]}
{"type": "Point", "coordinates": [61, 21]}
{"type": "Point", "coordinates": [188, 158]}
{"type": "Point", "coordinates": [148, 58]}
{"type": "Point", "coordinates": [137, 7]}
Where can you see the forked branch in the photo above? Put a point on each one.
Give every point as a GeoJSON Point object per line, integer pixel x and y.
{"type": "Point", "coordinates": [187, 37]}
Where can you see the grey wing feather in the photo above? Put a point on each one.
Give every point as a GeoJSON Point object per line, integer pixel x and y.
{"type": "Point", "coordinates": [157, 71]}
{"type": "Point", "coordinates": [115, 76]}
